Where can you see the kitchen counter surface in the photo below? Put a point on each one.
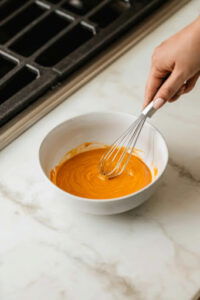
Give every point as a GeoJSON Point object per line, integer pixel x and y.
{"type": "Point", "coordinates": [48, 251]}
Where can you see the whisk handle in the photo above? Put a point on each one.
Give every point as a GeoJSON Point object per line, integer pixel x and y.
{"type": "Point", "coordinates": [151, 108]}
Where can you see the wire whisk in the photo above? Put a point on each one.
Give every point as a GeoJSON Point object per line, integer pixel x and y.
{"type": "Point", "coordinates": [114, 161]}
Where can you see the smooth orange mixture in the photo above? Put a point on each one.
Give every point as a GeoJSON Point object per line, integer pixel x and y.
{"type": "Point", "coordinates": [79, 175]}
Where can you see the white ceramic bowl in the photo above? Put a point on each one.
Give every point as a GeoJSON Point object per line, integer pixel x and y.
{"type": "Point", "coordinates": [103, 127]}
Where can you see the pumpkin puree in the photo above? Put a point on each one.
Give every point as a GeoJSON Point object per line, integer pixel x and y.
{"type": "Point", "coordinates": [80, 176]}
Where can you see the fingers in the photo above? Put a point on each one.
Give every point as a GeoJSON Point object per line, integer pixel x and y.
{"type": "Point", "coordinates": [178, 94]}
{"type": "Point", "coordinates": [155, 80]}
{"type": "Point", "coordinates": [186, 88]}
{"type": "Point", "coordinates": [171, 86]}
{"type": "Point", "coordinates": [168, 87]}
{"type": "Point", "coordinates": [191, 83]}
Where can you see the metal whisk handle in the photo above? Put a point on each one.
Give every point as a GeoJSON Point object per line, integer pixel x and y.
{"type": "Point", "coordinates": [151, 108]}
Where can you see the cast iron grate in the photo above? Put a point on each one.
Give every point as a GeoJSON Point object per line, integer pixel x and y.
{"type": "Point", "coordinates": [44, 41]}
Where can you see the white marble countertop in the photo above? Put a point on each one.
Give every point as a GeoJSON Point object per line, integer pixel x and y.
{"type": "Point", "coordinates": [48, 251]}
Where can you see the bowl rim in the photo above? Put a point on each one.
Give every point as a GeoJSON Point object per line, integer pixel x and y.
{"type": "Point", "coordinates": [102, 200]}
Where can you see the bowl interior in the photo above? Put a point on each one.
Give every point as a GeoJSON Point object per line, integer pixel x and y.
{"type": "Point", "coordinates": [104, 128]}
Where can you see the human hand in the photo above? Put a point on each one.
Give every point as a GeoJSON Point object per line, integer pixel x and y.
{"type": "Point", "coordinates": [175, 66]}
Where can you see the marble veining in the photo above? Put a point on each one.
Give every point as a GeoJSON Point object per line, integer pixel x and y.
{"type": "Point", "coordinates": [184, 172]}
{"type": "Point", "coordinates": [48, 251]}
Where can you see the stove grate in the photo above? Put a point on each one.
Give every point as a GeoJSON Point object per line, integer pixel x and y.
{"type": "Point", "coordinates": [43, 42]}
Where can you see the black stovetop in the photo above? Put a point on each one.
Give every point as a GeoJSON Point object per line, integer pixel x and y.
{"type": "Point", "coordinates": [42, 42]}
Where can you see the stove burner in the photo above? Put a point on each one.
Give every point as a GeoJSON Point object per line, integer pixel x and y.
{"type": "Point", "coordinates": [42, 42]}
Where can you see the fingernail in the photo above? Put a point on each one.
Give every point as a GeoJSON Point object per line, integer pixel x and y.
{"type": "Point", "coordinates": [158, 103]}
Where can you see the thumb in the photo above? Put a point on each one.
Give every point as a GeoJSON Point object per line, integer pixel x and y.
{"type": "Point", "coordinates": [171, 86]}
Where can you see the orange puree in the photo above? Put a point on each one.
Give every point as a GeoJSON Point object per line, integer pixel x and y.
{"type": "Point", "coordinates": [79, 175]}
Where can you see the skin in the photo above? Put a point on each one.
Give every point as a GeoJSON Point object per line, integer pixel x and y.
{"type": "Point", "coordinates": [175, 66]}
